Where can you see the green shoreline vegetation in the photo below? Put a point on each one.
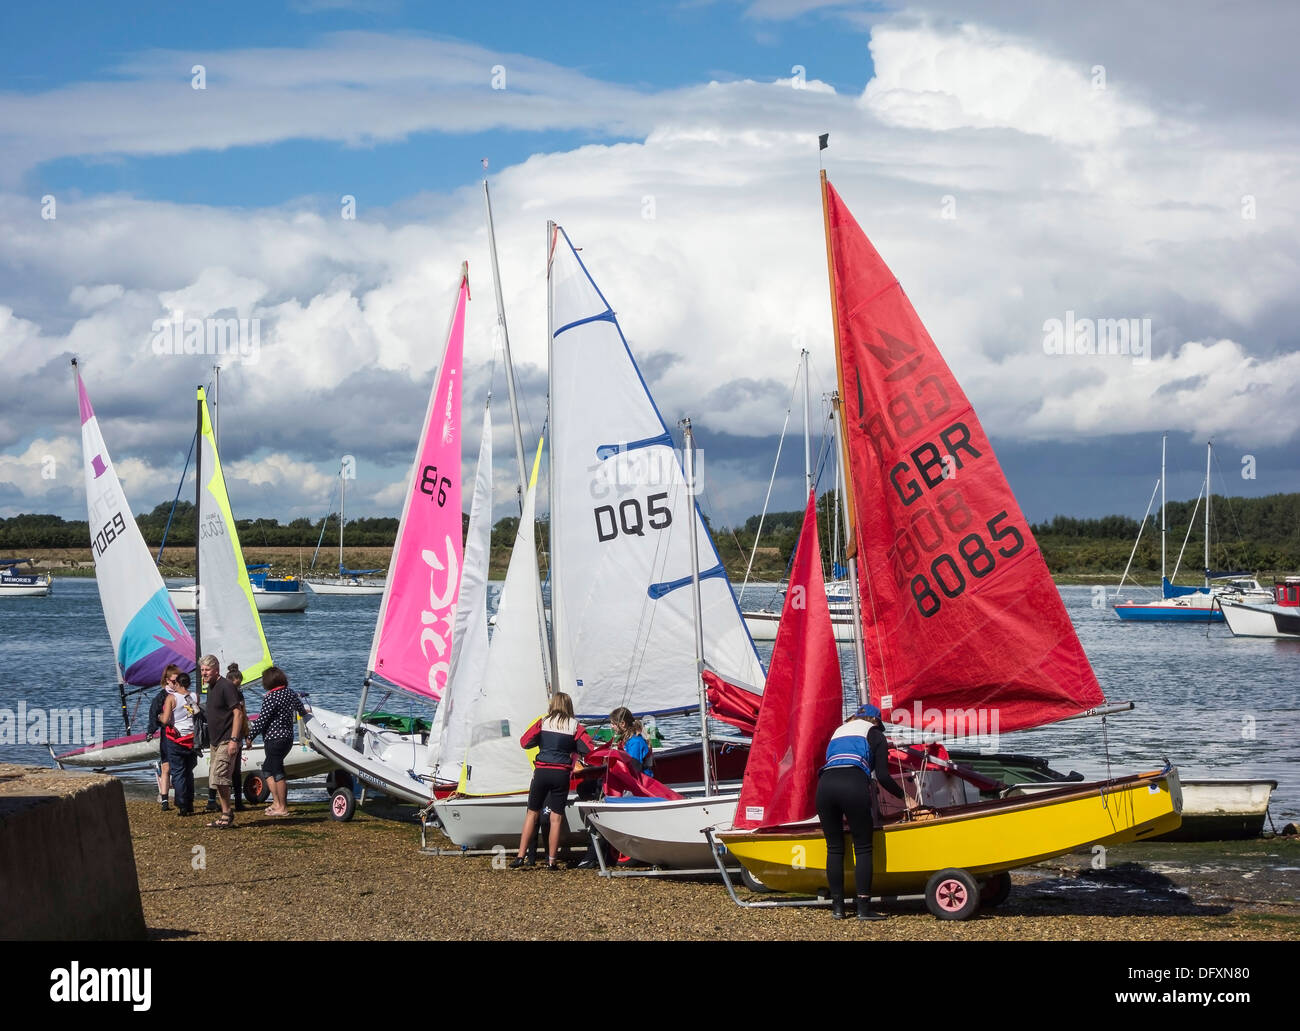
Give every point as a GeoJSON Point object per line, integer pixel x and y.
{"type": "Point", "coordinates": [1256, 535]}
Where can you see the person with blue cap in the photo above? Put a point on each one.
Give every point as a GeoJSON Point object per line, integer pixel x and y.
{"type": "Point", "coordinates": [856, 751]}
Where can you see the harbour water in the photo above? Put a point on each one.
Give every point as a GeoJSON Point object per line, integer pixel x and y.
{"type": "Point", "coordinates": [1215, 705]}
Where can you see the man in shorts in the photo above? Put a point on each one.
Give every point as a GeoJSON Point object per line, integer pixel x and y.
{"type": "Point", "coordinates": [226, 727]}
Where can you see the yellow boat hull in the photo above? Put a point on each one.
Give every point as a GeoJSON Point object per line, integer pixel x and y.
{"type": "Point", "coordinates": [984, 838]}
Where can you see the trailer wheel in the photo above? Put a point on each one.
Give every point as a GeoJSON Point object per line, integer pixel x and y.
{"type": "Point", "coordinates": [339, 779]}
{"type": "Point", "coordinates": [256, 788]}
{"type": "Point", "coordinates": [342, 804]}
{"type": "Point", "coordinates": [952, 895]}
{"type": "Point", "coordinates": [751, 882]}
{"type": "Point", "coordinates": [995, 890]}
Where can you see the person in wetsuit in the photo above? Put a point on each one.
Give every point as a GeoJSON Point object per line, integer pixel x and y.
{"type": "Point", "coordinates": [856, 751]}
{"type": "Point", "coordinates": [557, 736]}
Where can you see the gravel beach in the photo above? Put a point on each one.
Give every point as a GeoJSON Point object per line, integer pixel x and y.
{"type": "Point", "coordinates": [307, 877]}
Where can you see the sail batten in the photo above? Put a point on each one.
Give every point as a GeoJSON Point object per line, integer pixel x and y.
{"type": "Point", "coordinates": [960, 612]}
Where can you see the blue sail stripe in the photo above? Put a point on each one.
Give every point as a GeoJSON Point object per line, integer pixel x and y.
{"type": "Point", "coordinates": [610, 450]}
{"type": "Point", "coordinates": [605, 316]}
{"type": "Point", "coordinates": [650, 397]}
{"type": "Point", "coordinates": [657, 591]}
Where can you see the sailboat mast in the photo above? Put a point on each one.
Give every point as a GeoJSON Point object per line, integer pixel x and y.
{"type": "Point", "coordinates": [550, 652]}
{"type": "Point", "coordinates": [807, 434]}
{"type": "Point", "coordinates": [846, 472]}
{"type": "Point", "coordinates": [505, 343]}
{"type": "Point", "coordinates": [859, 647]}
{"type": "Point", "coordinates": [706, 756]}
{"type": "Point", "coordinates": [1164, 526]}
{"type": "Point", "coordinates": [1209, 447]}
{"type": "Point", "coordinates": [198, 531]}
{"type": "Point", "coordinates": [216, 406]}
{"type": "Point", "coordinates": [850, 536]}
{"type": "Point", "coordinates": [343, 491]}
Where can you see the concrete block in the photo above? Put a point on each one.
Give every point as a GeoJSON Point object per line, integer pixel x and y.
{"type": "Point", "coordinates": [67, 869]}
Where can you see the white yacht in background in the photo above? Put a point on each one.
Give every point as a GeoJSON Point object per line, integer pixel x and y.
{"type": "Point", "coordinates": [20, 585]}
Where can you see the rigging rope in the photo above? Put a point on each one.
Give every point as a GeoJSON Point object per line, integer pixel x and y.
{"type": "Point", "coordinates": [779, 444]}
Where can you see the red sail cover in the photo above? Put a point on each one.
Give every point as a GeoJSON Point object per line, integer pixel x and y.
{"type": "Point", "coordinates": [965, 630]}
{"type": "Point", "coordinates": [731, 703]}
{"type": "Point", "coordinates": [803, 701]}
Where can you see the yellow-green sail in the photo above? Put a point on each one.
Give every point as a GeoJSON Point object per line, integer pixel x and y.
{"type": "Point", "coordinates": [229, 626]}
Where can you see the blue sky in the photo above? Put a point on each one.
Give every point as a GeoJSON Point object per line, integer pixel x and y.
{"type": "Point", "coordinates": [1004, 180]}
{"type": "Point", "coordinates": [643, 47]}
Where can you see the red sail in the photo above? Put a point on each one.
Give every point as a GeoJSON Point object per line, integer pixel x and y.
{"type": "Point", "coordinates": [803, 700]}
{"type": "Point", "coordinates": [965, 630]}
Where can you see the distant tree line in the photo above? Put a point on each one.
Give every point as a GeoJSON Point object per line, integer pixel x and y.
{"type": "Point", "coordinates": [1246, 533]}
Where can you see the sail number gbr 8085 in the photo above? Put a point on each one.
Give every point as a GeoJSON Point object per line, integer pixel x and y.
{"type": "Point", "coordinates": [925, 562]}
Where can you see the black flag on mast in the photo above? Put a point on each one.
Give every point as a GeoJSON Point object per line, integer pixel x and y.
{"type": "Point", "coordinates": [823, 140]}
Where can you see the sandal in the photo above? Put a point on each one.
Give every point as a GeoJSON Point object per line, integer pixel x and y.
{"type": "Point", "coordinates": [223, 822]}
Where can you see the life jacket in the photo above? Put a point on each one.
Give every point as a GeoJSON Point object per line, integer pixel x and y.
{"type": "Point", "coordinates": [556, 740]}
{"type": "Point", "coordinates": [849, 747]}
{"type": "Point", "coordinates": [181, 729]}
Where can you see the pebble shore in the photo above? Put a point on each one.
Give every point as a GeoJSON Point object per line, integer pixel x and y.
{"type": "Point", "coordinates": [307, 877]}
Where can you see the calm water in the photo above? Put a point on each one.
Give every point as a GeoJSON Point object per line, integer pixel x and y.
{"type": "Point", "coordinates": [1214, 704]}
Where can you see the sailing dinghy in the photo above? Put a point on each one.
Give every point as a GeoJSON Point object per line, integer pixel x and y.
{"type": "Point", "coordinates": [959, 615]}
{"type": "Point", "coordinates": [629, 593]}
{"type": "Point", "coordinates": [622, 617]}
{"type": "Point", "coordinates": [146, 631]}
{"type": "Point", "coordinates": [415, 632]}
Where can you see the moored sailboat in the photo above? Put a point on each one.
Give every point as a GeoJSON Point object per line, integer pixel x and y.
{"type": "Point", "coordinates": [1180, 604]}
{"type": "Point", "coordinates": [348, 582]}
{"type": "Point", "coordinates": [958, 611]}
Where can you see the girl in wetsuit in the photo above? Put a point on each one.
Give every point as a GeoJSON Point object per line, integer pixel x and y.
{"type": "Point", "coordinates": [557, 736]}
{"type": "Point", "coordinates": [856, 751]}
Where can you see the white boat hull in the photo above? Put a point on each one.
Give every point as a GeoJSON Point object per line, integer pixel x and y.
{"type": "Point", "coordinates": [763, 625]}
{"type": "Point", "coordinates": [344, 587]}
{"type": "Point", "coordinates": [387, 760]}
{"type": "Point", "coordinates": [662, 832]}
{"type": "Point", "coordinates": [498, 820]}
{"type": "Point", "coordinates": [1262, 620]}
{"type": "Point", "coordinates": [267, 601]}
{"type": "Point", "coordinates": [9, 589]}
{"type": "Point", "coordinates": [299, 763]}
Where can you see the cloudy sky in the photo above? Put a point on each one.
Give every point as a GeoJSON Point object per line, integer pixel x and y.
{"type": "Point", "coordinates": [1015, 163]}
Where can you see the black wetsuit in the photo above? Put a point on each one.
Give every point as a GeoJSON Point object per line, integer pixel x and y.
{"type": "Point", "coordinates": [844, 791]}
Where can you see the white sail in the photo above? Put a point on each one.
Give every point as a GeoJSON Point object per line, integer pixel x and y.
{"type": "Point", "coordinates": [513, 692]}
{"type": "Point", "coordinates": [147, 633]}
{"type": "Point", "coordinates": [450, 734]}
{"type": "Point", "coordinates": [228, 624]}
{"type": "Point", "coordinates": [620, 519]}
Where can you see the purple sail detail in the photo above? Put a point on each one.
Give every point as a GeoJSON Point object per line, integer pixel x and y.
{"type": "Point", "coordinates": [87, 413]}
{"type": "Point", "coordinates": [154, 639]}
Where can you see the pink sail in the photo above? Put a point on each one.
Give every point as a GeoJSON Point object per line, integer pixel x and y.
{"type": "Point", "coordinates": [413, 636]}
